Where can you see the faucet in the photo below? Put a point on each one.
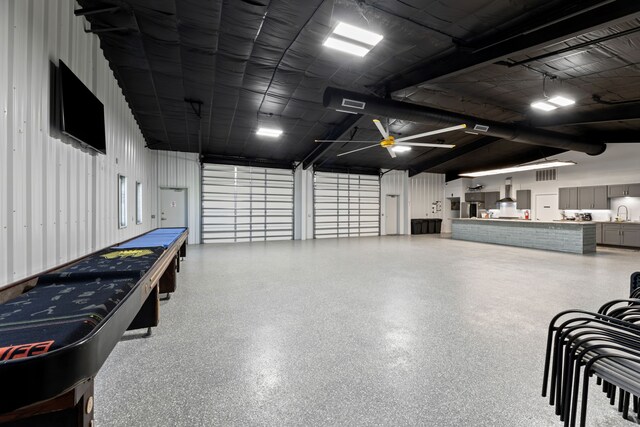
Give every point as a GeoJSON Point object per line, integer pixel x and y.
{"type": "Point", "coordinates": [626, 215]}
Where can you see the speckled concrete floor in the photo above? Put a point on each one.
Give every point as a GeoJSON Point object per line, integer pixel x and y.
{"type": "Point", "coordinates": [372, 331]}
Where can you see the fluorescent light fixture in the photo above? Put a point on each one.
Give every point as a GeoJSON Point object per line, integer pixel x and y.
{"type": "Point", "coordinates": [351, 48]}
{"type": "Point", "coordinates": [544, 106]}
{"type": "Point", "coordinates": [345, 111]}
{"type": "Point", "coordinates": [561, 101]}
{"type": "Point", "coordinates": [357, 34]}
{"type": "Point", "coordinates": [273, 133]}
{"type": "Point", "coordinates": [400, 148]}
{"type": "Point", "coordinates": [351, 39]}
{"type": "Point", "coordinates": [521, 168]}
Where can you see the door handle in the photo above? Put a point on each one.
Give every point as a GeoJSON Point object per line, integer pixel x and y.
{"type": "Point", "coordinates": [163, 219]}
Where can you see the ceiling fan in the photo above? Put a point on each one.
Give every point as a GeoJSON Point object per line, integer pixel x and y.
{"type": "Point", "coordinates": [389, 142]}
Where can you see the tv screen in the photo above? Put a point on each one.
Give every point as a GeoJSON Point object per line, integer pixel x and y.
{"type": "Point", "coordinates": [82, 111]}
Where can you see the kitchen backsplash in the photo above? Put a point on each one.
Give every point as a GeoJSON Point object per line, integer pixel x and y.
{"type": "Point", "coordinates": [632, 203]}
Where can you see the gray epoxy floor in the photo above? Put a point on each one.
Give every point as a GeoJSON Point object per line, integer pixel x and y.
{"type": "Point", "coordinates": [371, 331]}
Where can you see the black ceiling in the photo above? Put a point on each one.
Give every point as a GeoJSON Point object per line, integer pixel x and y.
{"type": "Point", "coordinates": [239, 64]}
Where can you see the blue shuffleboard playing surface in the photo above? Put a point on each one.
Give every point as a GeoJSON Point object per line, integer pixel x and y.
{"type": "Point", "coordinates": [161, 237]}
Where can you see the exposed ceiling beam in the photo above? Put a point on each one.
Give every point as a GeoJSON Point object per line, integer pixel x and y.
{"type": "Point", "coordinates": [245, 161]}
{"type": "Point", "coordinates": [504, 44]}
{"type": "Point", "coordinates": [609, 114]}
{"type": "Point", "coordinates": [425, 165]}
{"type": "Point", "coordinates": [348, 169]}
{"type": "Point", "coordinates": [337, 132]}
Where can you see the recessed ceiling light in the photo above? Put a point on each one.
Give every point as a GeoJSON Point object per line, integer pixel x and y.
{"type": "Point", "coordinates": [544, 106]}
{"type": "Point", "coordinates": [344, 46]}
{"type": "Point", "coordinates": [400, 148]}
{"type": "Point", "coordinates": [562, 101]}
{"type": "Point", "coordinates": [273, 133]}
{"type": "Point", "coordinates": [521, 168]}
{"type": "Point", "coordinates": [357, 34]}
{"type": "Point", "coordinates": [351, 39]}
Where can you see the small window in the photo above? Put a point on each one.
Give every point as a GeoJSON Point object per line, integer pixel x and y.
{"type": "Point", "coordinates": [138, 203]}
{"type": "Point", "coordinates": [122, 201]}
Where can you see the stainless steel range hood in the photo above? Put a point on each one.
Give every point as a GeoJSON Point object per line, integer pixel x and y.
{"type": "Point", "coordinates": [507, 192]}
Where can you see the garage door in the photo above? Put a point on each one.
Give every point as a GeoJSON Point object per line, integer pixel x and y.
{"type": "Point", "coordinates": [246, 204]}
{"type": "Point", "coordinates": [346, 205]}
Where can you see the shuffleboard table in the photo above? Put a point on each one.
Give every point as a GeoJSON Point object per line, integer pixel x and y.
{"type": "Point", "coordinates": [59, 330]}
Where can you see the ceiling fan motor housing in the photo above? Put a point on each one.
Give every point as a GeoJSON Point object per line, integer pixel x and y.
{"type": "Point", "coordinates": [388, 142]}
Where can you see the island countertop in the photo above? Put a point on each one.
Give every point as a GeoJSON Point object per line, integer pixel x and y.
{"type": "Point", "coordinates": [524, 221]}
{"type": "Point", "coordinates": [563, 236]}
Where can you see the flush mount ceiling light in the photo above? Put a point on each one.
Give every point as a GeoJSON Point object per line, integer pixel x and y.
{"type": "Point", "coordinates": [270, 132]}
{"type": "Point", "coordinates": [401, 148]}
{"type": "Point", "coordinates": [542, 105]}
{"type": "Point", "coordinates": [520, 168]}
{"type": "Point", "coordinates": [351, 39]}
{"type": "Point", "coordinates": [551, 103]}
{"type": "Point", "coordinates": [561, 101]}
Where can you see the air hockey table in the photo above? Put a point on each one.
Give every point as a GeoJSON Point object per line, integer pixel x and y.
{"type": "Point", "coordinates": [57, 333]}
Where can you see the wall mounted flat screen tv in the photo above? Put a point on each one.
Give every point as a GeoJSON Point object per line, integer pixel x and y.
{"type": "Point", "coordinates": [82, 112]}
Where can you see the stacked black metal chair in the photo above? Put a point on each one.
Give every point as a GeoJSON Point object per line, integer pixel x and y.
{"type": "Point", "coordinates": [604, 344]}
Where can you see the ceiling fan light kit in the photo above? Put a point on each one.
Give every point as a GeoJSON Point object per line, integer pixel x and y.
{"type": "Point", "coordinates": [401, 148]}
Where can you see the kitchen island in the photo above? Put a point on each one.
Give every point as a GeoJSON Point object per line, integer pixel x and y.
{"type": "Point", "coordinates": [562, 236]}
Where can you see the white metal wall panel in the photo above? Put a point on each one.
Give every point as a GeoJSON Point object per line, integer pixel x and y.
{"type": "Point", "coordinates": [346, 205]}
{"type": "Point", "coordinates": [181, 170]}
{"type": "Point", "coordinates": [58, 202]}
{"type": "Point", "coordinates": [425, 190]}
{"type": "Point", "coordinates": [246, 204]}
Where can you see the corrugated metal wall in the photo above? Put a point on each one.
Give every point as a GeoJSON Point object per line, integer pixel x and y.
{"type": "Point", "coordinates": [56, 201]}
{"type": "Point", "coordinates": [426, 189]}
{"type": "Point", "coordinates": [181, 170]}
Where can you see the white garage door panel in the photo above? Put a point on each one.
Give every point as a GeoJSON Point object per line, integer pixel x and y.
{"type": "Point", "coordinates": [346, 205]}
{"type": "Point", "coordinates": [246, 204]}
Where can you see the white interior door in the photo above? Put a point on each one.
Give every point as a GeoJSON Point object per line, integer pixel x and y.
{"type": "Point", "coordinates": [546, 207]}
{"type": "Point", "coordinates": [391, 214]}
{"type": "Point", "coordinates": [173, 207]}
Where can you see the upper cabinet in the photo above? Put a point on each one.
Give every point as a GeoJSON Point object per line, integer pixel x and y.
{"type": "Point", "coordinates": [474, 197]}
{"type": "Point", "coordinates": [568, 198]}
{"type": "Point", "coordinates": [593, 197]}
{"type": "Point", "coordinates": [491, 199]}
{"type": "Point", "coordinates": [523, 199]}
{"type": "Point", "coordinates": [624, 190]}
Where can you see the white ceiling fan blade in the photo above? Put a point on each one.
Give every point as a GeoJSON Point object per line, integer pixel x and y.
{"type": "Point", "coordinates": [433, 132]}
{"type": "Point", "coordinates": [391, 152]}
{"type": "Point", "coordinates": [424, 144]}
{"type": "Point", "coordinates": [340, 140]}
{"type": "Point", "coordinates": [381, 128]}
{"type": "Point", "coordinates": [357, 149]}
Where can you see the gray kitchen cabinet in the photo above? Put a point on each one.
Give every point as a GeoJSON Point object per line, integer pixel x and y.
{"type": "Point", "coordinates": [474, 197]}
{"type": "Point", "coordinates": [633, 190]}
{"type": "Point", "coordinates": [585, 198]}
{"type": "Point", "coordinates": [594, 197]}
{"type": "Point", "coordinates": [568, 198]}
{"type": "Point", "coordinates": [611, 234]}
{"type": "Point", "coordinates": [624, 190]}
{"type": "Point", "coordinates": [600, 199]}
{"type": "Point", "coordinates": [523, 199]}
{"type": "Point", "coordinates": [491, 199]}
{"type": "Point", "coordinates": [630, 234]}
{"type": "Point", "coordinates": [621, 234]}
{"type": "Point", "coordinates": [599, 233]}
